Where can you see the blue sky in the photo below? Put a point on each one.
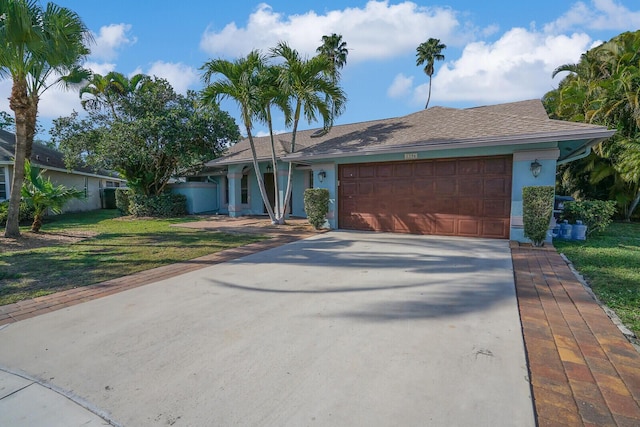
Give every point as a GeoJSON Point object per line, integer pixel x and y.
{"type": "Point", "coordinates": [495, 53]}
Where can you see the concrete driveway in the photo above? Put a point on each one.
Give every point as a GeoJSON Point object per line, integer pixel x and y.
{"type": "Point", "coordinates": [343, 328]}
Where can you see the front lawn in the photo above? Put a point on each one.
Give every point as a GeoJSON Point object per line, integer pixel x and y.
{"type": "Point", "coordinates": [119, 247]}
{"type": "Point", "coordinates": [610, 261]}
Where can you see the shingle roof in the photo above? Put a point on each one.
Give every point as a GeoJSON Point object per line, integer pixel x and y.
{"type": "Point", "coordinates": [436, 127]}
{"type": "Point", "coordinates": [44, 157]}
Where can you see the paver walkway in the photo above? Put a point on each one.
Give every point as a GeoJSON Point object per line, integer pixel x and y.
{"type": "Point", "coordinates": [584, 372]}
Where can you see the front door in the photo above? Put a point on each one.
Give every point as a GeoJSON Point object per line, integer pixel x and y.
{"type": "Point", "coordinates": [270, 189]}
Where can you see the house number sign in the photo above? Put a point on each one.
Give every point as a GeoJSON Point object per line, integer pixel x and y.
{"type": "Point", "coordinates": [410, 156]}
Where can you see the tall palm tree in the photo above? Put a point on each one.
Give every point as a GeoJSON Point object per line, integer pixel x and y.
{"type": "Point", "coordinates": [336, 51]}
{"type": "Point", "coordinates": [427, 53]}
{"type": "Point", "coordinates": [240, 81]}
{"type": "Point", "coordinates": [313, 92]}
{"type": "Point", "coordinates": [37, 44]}
{"type": "Point", "coordinates": [103, 91]}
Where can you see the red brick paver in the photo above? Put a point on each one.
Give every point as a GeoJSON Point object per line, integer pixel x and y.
{"type": "Point", "coordinates": [584, 372]}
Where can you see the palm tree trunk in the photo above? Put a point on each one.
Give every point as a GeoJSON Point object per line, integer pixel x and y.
{"type": "Point", "coordinates": [287, 196]}
{"type": "Point", "coordinates": [276, 186]}
{"type": "Point", "coordinates": [429, 97]}
{"type": "Point", "coordinates": [19, 103]}
{"type": "Point", "coordinates": [633, 206]}
{"type": "Point", "coordinates": [256, 168]}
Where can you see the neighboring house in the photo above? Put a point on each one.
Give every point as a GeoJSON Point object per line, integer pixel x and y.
{"type": "Point", "coordinates": [443, 171]}
{"type": "Point", "coordinates": [47, 158]}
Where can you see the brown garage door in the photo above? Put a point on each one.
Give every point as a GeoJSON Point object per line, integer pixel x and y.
{"type": "Point", "coordinates": [453, 197]}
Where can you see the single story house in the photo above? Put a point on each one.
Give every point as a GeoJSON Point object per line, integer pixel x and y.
{"type": "Point", "coordinates": [442, 171]}
{"type": "Point", "coordinates": [83, 178]}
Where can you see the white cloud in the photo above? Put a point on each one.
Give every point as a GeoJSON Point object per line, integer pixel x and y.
{"type": "Point", "coordinates": [400, 87]}
{"type": "Point", "coordinates": [517, 66]}
{"type": "Point", "coordinates": [110, 39]}
{"type": "Point", "coordinates": [599, 15]}
{"type": "Point", "coordinates": [379, 30]}
{"type": "Point", "coordinates": [181, 76]}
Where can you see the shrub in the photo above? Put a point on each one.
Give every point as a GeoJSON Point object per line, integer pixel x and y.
{"type": "Point", "coordinates": [123, 200]}
{"type": "Point", "coordinates": [595, 214]}
{"type": "Point", "coordinates": [537, 207]}
{"type": "Point", "coordinates": [316, 205]}
{"type": "Point", "coordinates": [24, 217]}
{"type": "Point", "coordinates": [161, 205]}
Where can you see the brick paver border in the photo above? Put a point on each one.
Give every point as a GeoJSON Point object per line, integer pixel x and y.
{"type": "Point", "coordinates": [583, 371]}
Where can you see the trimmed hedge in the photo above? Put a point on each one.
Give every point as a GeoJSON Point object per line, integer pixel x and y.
{"type": "Point", "coordinates": [123, 200]}
{"type": "Point", "coordinates": [24, 217]}
{"type": "Point", "coordinates": [316, 205]}
{"type": "Point", "coordinates": [595, 214]}
{"type": "Point", "coordinates": [537, 207]}
{"type": "Point", "coordinates": [162, 205]}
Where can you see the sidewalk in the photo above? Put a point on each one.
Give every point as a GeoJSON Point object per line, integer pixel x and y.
{"type": "Point", "coordinates": [583, 371]}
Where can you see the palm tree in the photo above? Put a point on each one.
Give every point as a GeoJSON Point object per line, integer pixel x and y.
{"type": "Point", "coordinates": [37, 44]}
{"type": "Point", "coordinates": [427, 53]}
{"type": "Point", "coordinates": [336, 51]}
{"type": "Point", "coordinates": [103, 91]}
{"type": "Point", "coordinates": [313, 92]}
{"type": "Point", "coordinates": [41, 194]}
{"type": "Point", "coordinates": [240, 81]}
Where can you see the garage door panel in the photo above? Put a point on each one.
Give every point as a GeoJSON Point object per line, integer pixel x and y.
{"type": "Point", "coordinates": [348, 171]}
{"type": "Point", "coordinates": [445, 167]}
{"type": "Point", "coordinates": [465, 197]}
{"type": "Point", "coordinates": [470, 187]}
{"type": "Point", "coordinates": [403, 170]}
{"type": "Point", "coordinates": [495, 228]}
{"type": "Point", "coordinates": [444, 225]}
{"type": "Point", "coordinates": [500, 187]}
{"type": "Point", "coordinates": [384, 171]}
{"type": "Point", "coordinates": [470, 167]}
{"type": "Point", "coordinates": [445, 187]}
{"type": "Point", "coordinates": [469, 227]}
{"type": "Point", "coordinates": [496, 208]}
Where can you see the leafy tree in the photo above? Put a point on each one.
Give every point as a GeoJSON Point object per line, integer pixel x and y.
{"type": "Point", "coordinates": [313, 93]}
{"type": "Point", "coordinates": [37, 43]}
{"type": "Point", "coordinates": [41, 194]}
{"type": "Point", "coordinates": [604, 88]}
{"type": "Point", "coordinates": [336, 52]}
{"type": "Point", "coordinates": [6, 121]}
{"type": "Point", "coordinates": [156, 134]}
{"type": "Point", "coordinates": [427, 53]}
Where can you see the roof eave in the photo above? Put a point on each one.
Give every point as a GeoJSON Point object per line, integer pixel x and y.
{"type": "Point", "coordinates": [588, 134]}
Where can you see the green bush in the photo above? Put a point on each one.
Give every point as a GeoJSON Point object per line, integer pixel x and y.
{"type": "Point", "coordinates": [123, 200]}
{"type": "Point", "coordinates": [25, 216]}
{"type": "Point", "coordinates": [316, 205]}
{"type": "Point", "coordinates": [595, 214]}
{"type": "Point", "coordinates": [162, 205]}
{"type": "Point", "coordinates": [537, 207]}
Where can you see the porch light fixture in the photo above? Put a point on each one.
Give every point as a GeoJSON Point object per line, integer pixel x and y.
{"type": "Point", "coordinates": [269, 169]}
{"type": "Point", "coordinates": [536, 167]}
{"type": "Point", "coordinates": [321, 176]}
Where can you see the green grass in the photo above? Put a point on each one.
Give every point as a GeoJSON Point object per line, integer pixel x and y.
{"type": "Point", "coordinates": [610, 261]}
{"type": "Point", "coordinates": [120, 247]}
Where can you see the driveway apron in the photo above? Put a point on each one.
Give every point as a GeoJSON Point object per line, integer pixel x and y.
{"type": "Point", "coordinates": [344, 328]}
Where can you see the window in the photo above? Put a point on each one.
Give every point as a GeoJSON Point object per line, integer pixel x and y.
{"type": "Point", "coordinates": [244, 189]}
{"type": "Point", "coordinates": [310, 179]}
{"type": "Point", "coordinates": [226, 191]}
{"type": "Point", "coordinates": [86, 186]}
{"type": "Point", "coordinates": [3, 184]}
